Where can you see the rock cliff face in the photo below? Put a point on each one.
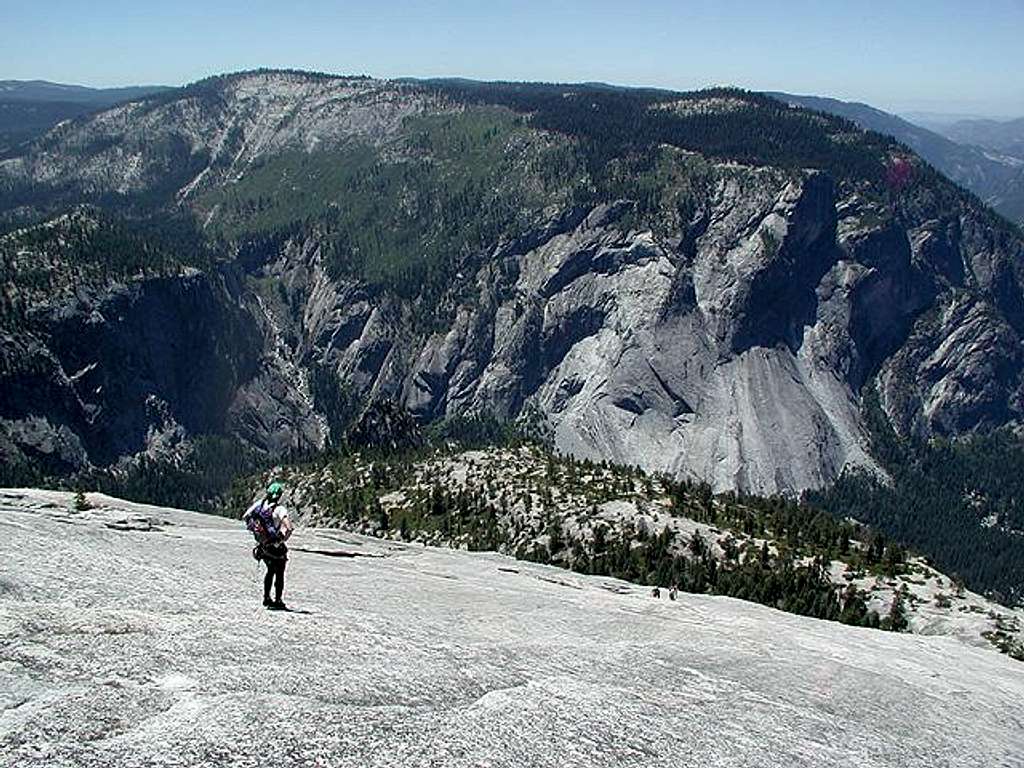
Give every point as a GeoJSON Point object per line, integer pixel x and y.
{"type": "Point", "coordinates": [144, 364]}
{"type": "Point", "coordinates": [740, 363]}
{"type": "Point", "coordinates": [729, 342]}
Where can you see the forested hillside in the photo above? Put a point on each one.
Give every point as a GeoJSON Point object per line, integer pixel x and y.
{"type": "Point", "coordinates": [961, 501]}
{"type": "Point", "coordinates": [523, 500]}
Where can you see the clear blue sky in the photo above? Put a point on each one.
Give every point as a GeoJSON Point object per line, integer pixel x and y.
{"type": "Point", "coordinates": [901, 55]}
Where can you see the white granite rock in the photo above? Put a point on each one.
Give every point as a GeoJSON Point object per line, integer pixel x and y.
{"type": "Point", "coordinates": [148, 647]}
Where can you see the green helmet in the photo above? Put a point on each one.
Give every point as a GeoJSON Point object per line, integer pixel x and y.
{"type": "Point", "coordinates": [274, 491]}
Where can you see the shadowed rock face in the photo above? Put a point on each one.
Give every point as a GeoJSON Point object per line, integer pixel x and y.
{"type": "Point", "coordinates": [731, 345]}
{"type": "Point", "coordinates": [149, 646]}
{"type": "Point", "coordinates": [146, 365]}
{"type": "Point", "coordinates": [145, 362]}
{"type": "Point", "coordinates": [743, 364]}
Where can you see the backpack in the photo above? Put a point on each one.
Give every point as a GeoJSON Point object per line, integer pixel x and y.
{"type": "Point", "coordinates": [262, 524]}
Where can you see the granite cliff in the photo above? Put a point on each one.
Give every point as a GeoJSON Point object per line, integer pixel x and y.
{"type": "Point", "coordinates": [659, 296]}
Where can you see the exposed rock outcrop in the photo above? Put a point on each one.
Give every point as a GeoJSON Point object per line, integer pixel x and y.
{"type": "Point", "coordinates": [151, 647]}
{"type": "Point", "coordinates": [140, 368]}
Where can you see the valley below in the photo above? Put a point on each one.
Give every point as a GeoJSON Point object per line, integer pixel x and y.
{"type": "Point", "coordinates": [763, 351]}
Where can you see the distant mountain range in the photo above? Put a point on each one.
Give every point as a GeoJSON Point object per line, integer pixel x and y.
{"type": "Point", "coordinates": [1005, 136]}
{"type": "Point", "coordinates": [990, 170]}
{"type": "Point", "coordinates": [42, 90]}
{"type": "Point", "coordinates": [29, 108]}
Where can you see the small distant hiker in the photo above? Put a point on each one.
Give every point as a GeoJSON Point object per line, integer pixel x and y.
{"type": "Point", "coordinates": [656, 593]}
{"type": "Point", "coordinates": [269, 522]}
{"type": "Point", "coordinates": [672, 593]}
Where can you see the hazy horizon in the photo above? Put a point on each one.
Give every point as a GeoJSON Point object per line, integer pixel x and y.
{"type": "Point", "coordinates": [914, 57]}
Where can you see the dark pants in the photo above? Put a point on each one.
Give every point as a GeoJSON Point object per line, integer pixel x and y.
{"type": "Point", "coordinates": [276, 558]}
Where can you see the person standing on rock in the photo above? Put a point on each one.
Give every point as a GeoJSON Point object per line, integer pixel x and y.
{"type": "Point", "coordinates": [270, 524]}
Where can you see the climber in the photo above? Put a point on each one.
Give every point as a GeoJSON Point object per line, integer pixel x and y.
{"type": "Point", "coordinates": [270, 524]}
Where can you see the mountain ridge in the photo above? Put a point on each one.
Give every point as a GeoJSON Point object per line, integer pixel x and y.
{"type": "Point", "coordinates": [29, 108]}
{"type": "Point", "coordinates": [45, 90]}
{"type": "Point", "coordinates": [525, 501]}
{"type": "Point", "coordinates": [998, 135]}
{"type": "Point", "coordinates": [997, 181]}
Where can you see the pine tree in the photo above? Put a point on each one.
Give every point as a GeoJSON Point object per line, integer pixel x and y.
{"type": "Point", "coordinates": [896, 621]}
{"type": "Point", "coordinates": [81, 503]}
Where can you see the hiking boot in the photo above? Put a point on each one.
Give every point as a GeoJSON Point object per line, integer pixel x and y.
{"type": "Point", "coordinates": [266, 602]}
{"type": "Point", "coordinates": [278, 605]}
